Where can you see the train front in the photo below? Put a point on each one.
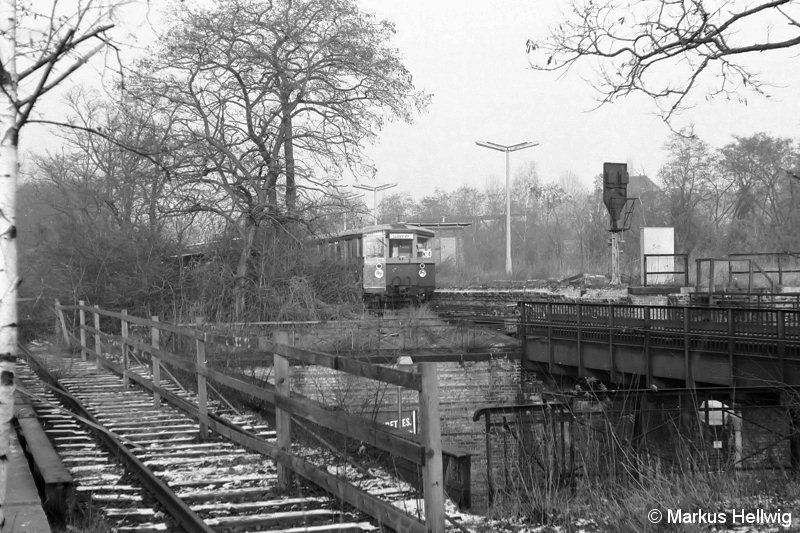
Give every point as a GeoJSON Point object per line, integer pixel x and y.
{"type": "Point", "coordinates": [399, 265]}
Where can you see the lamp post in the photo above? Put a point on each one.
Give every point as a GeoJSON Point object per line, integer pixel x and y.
{"type": "Point", "coordinates": [375, 189]}
{"type": "Point", "coordinates": [347, 198]}
{"type": "Point", "coordinates": [507, 150]}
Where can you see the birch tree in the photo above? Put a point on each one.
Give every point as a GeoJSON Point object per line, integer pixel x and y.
{"type": "Point", "coordinates": [42, 43]}
{"type": "Point", "coordinates": [8, 247]}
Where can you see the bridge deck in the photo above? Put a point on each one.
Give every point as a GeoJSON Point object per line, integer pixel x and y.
{"type": "Point", "coordinates": [673, 345]}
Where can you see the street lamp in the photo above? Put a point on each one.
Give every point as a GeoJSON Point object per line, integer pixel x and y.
{"type": "Point", "coordinates": [375, 190]}
{"type": "Point", "coordinates": [507, 150]}
{"type": "Point", "coordinates": [346, 198]}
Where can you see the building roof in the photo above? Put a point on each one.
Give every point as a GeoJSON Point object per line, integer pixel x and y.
{"type": "Point", "coordinates": [441, 224]}
{"type": "Point", "coordinates": [639, 185]}
{"type": "Point", "coordinates": [405, 227]}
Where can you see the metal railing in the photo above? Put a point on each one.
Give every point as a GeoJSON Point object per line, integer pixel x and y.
{"type": "Point", "coordinates": [665, 270]}
{"type": "Point", "coordinates": [785, 264]}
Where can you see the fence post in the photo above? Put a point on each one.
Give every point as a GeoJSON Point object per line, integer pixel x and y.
{"type": "Point", "coordinates": [780, 322]}
{"type": "Point", "coordinates": [82, 316]}
{"type": "Point", "coordinates": [550, 347]}
{"type": "Point", "coordinates": [579, 332]}
{"type": "Point", "coordinates": [687, 364]}
{"type": "Point", "coordinates": [731, 332]}
{"type": "Point", "coordinates": [98, 350]}
{"type": "Point", "coordinates": [62, 321]}
{"type": "Point", "coordinates": [125, 379]}
{"type": "Point", "coordinates": [644, 270]}
{"type": "Point", "coordinates": [432, 476]}
{"type": "Point", "coordinates": [155, 342]}
{"type": "Point", "coordinates": [647, 360]}
{"type": "Point", "coordinates": [283, 421]}
{"type": "Point", "coordinates": [611, 362]}
{"type": "Point", "coordinates": [202, 392]}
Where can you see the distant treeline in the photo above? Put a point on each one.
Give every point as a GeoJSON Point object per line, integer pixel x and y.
{"type": "Point", "coordinates": [742, 197]}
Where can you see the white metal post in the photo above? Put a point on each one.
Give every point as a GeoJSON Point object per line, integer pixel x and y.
{"type": "Point", "coordinates": [507, 150]}
{"type": "Point", "coordinates": [508, 214]}
{"type": "Point", "coordinates": [375, 190]}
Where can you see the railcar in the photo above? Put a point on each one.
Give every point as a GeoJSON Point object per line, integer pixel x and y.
{"type": "Point", "coordinates": [394, 261]}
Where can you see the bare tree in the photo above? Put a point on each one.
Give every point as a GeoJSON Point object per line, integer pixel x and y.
{"type": "Point", "coordinates": [688, 176]}
{"type": "Point", "coordinates": [668, 49]}
{"type": "Point", "coordinates": [260, 91]}
{"type": "Point", "coordinates": [763, 199]}
{"type": "Point", "coordinates": [123, 143]}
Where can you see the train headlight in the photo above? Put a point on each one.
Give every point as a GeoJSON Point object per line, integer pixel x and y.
{"type": "Point", "coordinates": [422, 273]}
{"type": "Point", "coordinates": [378, 272]}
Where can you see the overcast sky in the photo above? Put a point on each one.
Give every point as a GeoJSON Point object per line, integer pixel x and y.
{"type": "Point", "coordinates": [470, 55]}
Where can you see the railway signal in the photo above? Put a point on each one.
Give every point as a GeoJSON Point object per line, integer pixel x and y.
{"type": "Point", "coordinates": [615, 196]}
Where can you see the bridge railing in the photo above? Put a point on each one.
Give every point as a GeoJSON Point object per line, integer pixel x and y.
{"type": "Point", "coordinates": [738, 322]}
{"type": "Point", "coordinates": [744, 345]}
{"type": "Point", "coordinates": [114, 347]}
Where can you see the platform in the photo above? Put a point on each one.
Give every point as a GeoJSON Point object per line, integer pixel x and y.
{"type": "Point", "coordinates": [23, 508]}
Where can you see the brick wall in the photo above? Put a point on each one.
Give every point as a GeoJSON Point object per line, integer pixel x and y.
{"type": "Point", "coordinates": [464, 387]}
{"type": "Point", "coordinates": [762, 445]}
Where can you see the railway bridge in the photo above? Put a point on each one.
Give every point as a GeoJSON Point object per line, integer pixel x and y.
{"type": "Point", "coordinates": [672, 347]}
{"type": "Point", "coordinates": [721, 381]}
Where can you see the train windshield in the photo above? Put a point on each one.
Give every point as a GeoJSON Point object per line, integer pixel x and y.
{"type": "Point", "coordinates": [424, 247]}
{"type": "Point", "coordinates": [400, 244]}
{"type": "Point", "coordinates": [373, 245]}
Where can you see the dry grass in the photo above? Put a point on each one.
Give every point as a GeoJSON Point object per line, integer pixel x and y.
{"type": "Point", "coordinates": [84, 518]}
{"type": "Point", "coordinates": [614, 485]}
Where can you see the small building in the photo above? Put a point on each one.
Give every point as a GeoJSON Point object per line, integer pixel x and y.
{"type": "Point", "coordinates": [448, 247]}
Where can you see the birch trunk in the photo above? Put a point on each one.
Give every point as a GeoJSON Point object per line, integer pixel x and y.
{"type": "Point", "coordinates": [8, 231]}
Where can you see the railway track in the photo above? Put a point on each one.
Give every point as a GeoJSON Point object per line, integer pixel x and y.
{"type": "Point", "coordinates": [493, 308]}
{"type": "Point", "coordinates": [225, 486]}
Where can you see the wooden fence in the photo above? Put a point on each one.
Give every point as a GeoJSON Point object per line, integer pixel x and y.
{"type": "Point", "coordinates": [424, 450]}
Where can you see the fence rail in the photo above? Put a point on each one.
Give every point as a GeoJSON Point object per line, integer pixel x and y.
{"type": "Point", "coordinates": [785, 264]}
{"type": "Point", "coordinates": [424, 450]}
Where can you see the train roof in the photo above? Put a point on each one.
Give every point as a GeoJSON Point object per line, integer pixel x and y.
{"type": "Point", "coordinates": [408, 228]}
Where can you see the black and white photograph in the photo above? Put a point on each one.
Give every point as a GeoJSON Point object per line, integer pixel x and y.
{"type": "Point", "coordinates": [377, 266]}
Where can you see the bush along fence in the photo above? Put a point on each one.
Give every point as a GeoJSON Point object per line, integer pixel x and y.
{"type": "Point", "coordinates": [115, 343]}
